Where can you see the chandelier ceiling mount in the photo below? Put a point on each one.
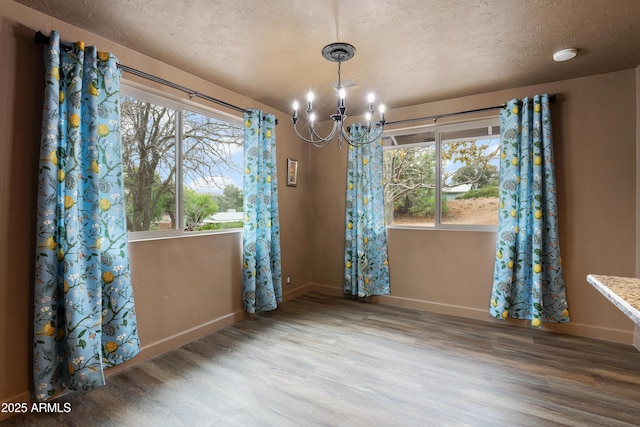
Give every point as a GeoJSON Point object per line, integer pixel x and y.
{"type": "Point", "coordinates": [338, 52]}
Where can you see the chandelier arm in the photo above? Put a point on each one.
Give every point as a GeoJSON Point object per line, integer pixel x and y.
{"type": "Point", "coordinates": [328, 137]}
{"type": "Point", "coordinates": [321, 144]}
{"type": "Point", "coordinates": [367, 136]}
{"type": "Point", "coordinates": [312, 134]}
{"type": "Point", "coordinates": [295, 127]}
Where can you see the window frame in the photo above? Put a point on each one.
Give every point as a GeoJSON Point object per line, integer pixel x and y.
{"type": "Point", "coordinates": [165, 99]}
{"type": "Point", "coordinates": [438, 130]}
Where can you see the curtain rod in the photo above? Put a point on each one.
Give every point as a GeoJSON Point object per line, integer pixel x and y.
{"type": "Point", "coordinates": [40, 38]}
{"type": "Point", "coordinates": [552, 99]}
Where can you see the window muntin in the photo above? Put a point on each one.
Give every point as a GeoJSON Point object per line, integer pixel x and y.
{"type": "Point", "coordinates": [183, 166]}
{"type": "Point", "coordinates": [443, 176]}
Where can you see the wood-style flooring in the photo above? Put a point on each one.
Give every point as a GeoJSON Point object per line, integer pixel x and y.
{"type": "Point", "coordinates": [327, 361]}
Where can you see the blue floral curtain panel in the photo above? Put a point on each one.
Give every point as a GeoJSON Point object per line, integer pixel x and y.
{"type": "Point", "coordinates": [262, 271]}
{"type": "Point", "coordinates": [527, 281]}
{"type": "Point", "coordinates": [366, 271]}
{"type": "Point", "coordinates": [84, 317]}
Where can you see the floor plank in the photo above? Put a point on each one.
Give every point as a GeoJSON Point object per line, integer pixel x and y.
{"type": "Point", "coordinates": [325, 361]}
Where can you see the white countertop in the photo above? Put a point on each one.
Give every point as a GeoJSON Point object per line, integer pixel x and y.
{"type": "Point", "coordinates": [623, 292]}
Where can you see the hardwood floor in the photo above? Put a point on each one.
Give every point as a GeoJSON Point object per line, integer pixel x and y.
{"type": "Point", "coordinates": [325, 361]}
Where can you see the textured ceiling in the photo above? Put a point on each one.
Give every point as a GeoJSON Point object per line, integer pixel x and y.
{"type": "Point", "coordinates": [408, 51]}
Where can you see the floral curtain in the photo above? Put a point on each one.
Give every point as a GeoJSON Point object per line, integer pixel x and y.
{"type": "Point", "coordinates": [84, 317]}
{"type": "Point", "coordinates": [528, 281]}
{"type": "Point", "coordinates": [262, 272]}
{"type": "Point", "coordinates": [366, 271]}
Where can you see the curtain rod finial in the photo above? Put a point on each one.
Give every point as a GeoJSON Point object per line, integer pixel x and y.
{"type": "Point", "coordinates": [40, 38]}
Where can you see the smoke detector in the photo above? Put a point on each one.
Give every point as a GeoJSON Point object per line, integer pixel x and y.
{"type": "Point", "coordinates": [565, 54]}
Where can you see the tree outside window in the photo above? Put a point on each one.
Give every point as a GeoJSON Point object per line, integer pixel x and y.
{"type": "Point", "coordinates": [178, 160]}
{"type": "Point", "coordinates": [445, 175]}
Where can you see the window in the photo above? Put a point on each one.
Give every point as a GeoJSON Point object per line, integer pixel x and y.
{"type": "Point", "coordinates": [443, 176]}
{"type": "Point", "coordinates": [182, 166]}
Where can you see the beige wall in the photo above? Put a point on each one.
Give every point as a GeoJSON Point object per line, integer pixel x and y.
{"type": "Point", "coordinates": [451, 271]}
{"type": "Point", "coordinates": [184, 287]}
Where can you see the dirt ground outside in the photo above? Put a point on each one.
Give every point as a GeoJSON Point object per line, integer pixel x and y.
{"type": "Point", "coordinates": [483, 211]}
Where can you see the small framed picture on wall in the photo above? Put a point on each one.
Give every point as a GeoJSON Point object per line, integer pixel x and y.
{"type": "Point", "coordinates": [292, 172]}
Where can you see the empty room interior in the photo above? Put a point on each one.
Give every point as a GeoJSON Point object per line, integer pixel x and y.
{"type": "Point", "coordinates": [462, 248]}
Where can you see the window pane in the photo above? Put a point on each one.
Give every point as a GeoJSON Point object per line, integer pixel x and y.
{"type": "Point", "coordinates": [470, 177]}
{"type": "Point", "coordinates": [409, 185]}
{"type": "Point", "coordinates": [212, 169]}
{"type": "Point", "coordinates": [473, 133]}
{"type": "Point", "coordinates": [148, 141]}
{"type": "Point", "coordinates": [407, 139]}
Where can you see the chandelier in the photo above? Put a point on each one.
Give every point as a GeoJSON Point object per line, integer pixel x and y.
{"type": "Point", "coordinates": [340, 52]}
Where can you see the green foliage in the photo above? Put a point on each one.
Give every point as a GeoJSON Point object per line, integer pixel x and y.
{"type": "Point", "coordinates": [197, 206]}
{"type": "Point", "coordinates": [156, 195]}
{"type": "Point", "coordinates": [222, 226]}
{"type": "Point", "coordinates": [231, 198]}
{"type": "Point", "coordinates": [477, 175]}
{"type": "Point", "coordinates": [424, 204]}
{"type": "Point", "coordinates": [488, 191]}
{"type": "Point", "coordinates": [409, 175]}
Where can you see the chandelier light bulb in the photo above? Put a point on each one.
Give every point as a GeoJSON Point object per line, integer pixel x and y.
{"type": "Point", "coordinates": [381, 108]}
{"type": "Point", "coordinates": [371, 97]}
{"type": "Point", "coordinates": [342, 93]}
{"type": "Point", "coordinates": [310, 103]}
{"type": "Point", "coordinates": [312, 117]}
{"type": "Point", "coordinates": [295, 105]}
{"type": "Point", "coordinates": [368, 117]}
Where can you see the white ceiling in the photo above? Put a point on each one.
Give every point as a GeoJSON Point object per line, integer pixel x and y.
{"type": "Point", "coordinates": [408, 51]}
